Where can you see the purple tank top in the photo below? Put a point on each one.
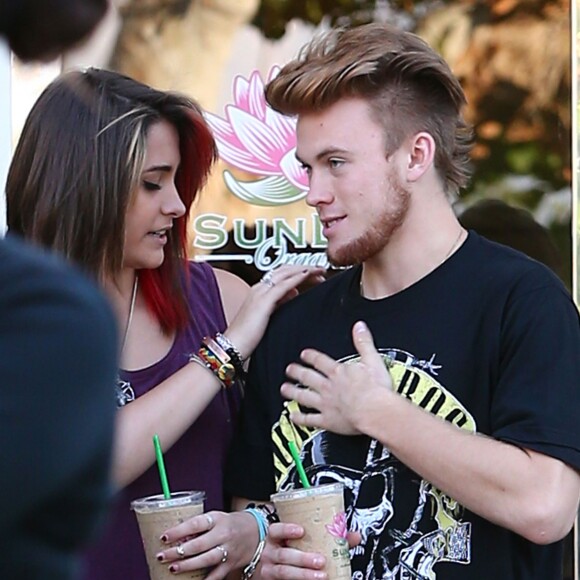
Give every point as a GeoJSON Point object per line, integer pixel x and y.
{"type": "Point", "coordinates": [195, 462]}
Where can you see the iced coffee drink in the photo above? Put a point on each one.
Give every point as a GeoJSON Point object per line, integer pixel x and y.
{"type": "Point", "coordinates": [320, 511]}
{"type": "Point", "coordinates": [155, 514]}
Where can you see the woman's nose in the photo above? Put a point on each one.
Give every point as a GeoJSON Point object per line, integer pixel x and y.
{"type": "Point", "coordinates": [174, 205]}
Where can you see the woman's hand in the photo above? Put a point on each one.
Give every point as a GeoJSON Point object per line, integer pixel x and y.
{"type": "Point", "coordinates": [275, 287]}
{"type": "Point", "coordinates": [218, 541]}
{"type": "Point", "coordinates": [280, 562]}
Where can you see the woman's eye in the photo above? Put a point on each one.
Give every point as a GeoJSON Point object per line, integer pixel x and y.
{"type": "Point", "coordinates": [335, 163]}
{"type": "Point", "coordinates": [151, 186]}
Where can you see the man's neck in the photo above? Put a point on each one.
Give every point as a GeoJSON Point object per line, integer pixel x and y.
{"type": "Point", "coordinates": [415, 250]}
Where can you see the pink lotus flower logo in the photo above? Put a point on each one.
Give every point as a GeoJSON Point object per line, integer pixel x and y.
{"type": "Point", "coordinates": [338, 526]}
{"type": "Point", "coordinates": [256, 139]}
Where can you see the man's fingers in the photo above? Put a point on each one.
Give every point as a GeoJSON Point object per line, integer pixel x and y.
{"type": "Point", "coordinates": [304, 397]}
{"type": "Point", "coordinates": [305, 375]}
{"type": "Point", "coordinates": [364, 343]}
{"type": "Point", "coordinates": [313, 420]}
{"type": "Point", "coordinates": [323, 363]}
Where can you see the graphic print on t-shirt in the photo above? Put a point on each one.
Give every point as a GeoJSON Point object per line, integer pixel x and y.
{"type": "Point", "coordinates": [407, 525]}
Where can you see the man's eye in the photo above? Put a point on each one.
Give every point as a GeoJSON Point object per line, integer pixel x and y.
{"type": "Point", "coordinates": [151, 186]}
{"type": "Point", "coordinates": [335, 163]}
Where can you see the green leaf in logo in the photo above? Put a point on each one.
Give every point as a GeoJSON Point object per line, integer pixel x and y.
{"type": "Point", "coordinates": [267, 192]}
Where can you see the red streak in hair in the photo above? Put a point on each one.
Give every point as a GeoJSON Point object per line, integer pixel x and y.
{"type": "Point", "coordinates": [167, 302]}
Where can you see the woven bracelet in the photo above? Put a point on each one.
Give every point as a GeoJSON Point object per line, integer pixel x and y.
{"type": "Point", "coordinates": [218, 361]}
{"type": "Point", "coordinates": [202, 363]}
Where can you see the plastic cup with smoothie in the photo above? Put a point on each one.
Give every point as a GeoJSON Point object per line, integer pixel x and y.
{"type": "Point", "coordinates": [320, 511]}
{"type": "Point", "coordinates": [155, 514]}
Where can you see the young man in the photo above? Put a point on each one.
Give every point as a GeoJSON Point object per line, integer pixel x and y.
{"type": "Point", "coordinates": [442, 370]}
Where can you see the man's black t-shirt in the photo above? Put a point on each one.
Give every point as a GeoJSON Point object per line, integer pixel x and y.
{"type": "Point", "coordinates": [489, 341]}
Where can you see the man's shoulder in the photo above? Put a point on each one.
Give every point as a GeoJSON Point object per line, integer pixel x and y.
{"type": "Point", "coordinates": [509, 267]}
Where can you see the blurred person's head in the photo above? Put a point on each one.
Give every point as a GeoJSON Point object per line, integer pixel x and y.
{"type": "Point", "coordinates": [514, 227]}
{"type": "Point", "coordinates": [77, 181]}
{"type": "Point", "coordinates": [408, 87]}
{"type": "Point", "coordinates": [42, 29]}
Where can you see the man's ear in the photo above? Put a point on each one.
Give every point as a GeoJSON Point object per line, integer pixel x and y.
{"type": "Point", "coordinates": [421, 155]}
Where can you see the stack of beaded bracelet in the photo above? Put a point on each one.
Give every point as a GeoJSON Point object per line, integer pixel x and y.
{"type": "Point", "coordinates": [233, 353]}
{"type": "Point", "coordinates": [226, 363]}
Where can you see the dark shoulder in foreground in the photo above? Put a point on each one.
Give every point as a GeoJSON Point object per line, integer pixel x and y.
{"type": "Point", "coordinates": [29, 275]}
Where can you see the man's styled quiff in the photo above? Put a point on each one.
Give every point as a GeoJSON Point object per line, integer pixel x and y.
{"type": "Point", "coordinates": [408, 86]}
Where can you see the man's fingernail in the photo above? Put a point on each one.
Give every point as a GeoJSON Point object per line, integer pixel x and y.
{"type": "Point", "coordinates": [360, 326]}
{"type": "Point", "coordinates": [319, 562]}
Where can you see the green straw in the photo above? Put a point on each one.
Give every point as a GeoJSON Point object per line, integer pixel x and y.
{"type": "Point", "coordinates": [161, 467]}
{"type": "Point", "coordinates": [298, 463]}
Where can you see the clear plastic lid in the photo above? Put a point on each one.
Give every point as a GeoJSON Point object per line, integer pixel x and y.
{"type": "Point", "coordinates": [159, 502]}
{"type": "Point", "coordinates": [302, 492]}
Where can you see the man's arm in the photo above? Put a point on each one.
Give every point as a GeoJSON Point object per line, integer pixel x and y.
{"type": "Point", "coordinates": [525, 491]}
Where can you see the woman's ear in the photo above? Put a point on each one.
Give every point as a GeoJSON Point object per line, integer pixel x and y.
{"type": "Point", "coordinates": [421, 155]}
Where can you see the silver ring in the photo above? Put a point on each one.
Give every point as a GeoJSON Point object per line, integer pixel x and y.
{"type": "Point", "coordinates": [209, 522]}
{"type": "Point", "coordinates": [267, 279]}
{"type": "Point", "coordinates": [180, 551]}
{"type": "Point", "coordinates": [224, 554]}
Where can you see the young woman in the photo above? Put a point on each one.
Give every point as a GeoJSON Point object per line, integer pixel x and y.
{"type": "Point", "coordinates": [105, 173]}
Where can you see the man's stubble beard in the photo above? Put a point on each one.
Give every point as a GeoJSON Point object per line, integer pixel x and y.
{"type": "Point", "coordinates": [380, 229]}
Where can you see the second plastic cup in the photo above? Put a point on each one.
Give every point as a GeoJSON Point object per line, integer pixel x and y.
{"type": "Point", "coordinates": [155, 514]}
{"type": "Point", "coordinates": [320, 511]}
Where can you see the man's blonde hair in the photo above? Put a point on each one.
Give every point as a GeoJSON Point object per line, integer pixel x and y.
{"type": "Point", "coordinates": [409, 88]}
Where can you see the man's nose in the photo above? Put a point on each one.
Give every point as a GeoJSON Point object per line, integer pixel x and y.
{"type": "Point", "coordinates": [318, 192]}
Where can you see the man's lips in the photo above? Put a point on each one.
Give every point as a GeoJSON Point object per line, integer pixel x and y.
{"type": "Point", "coordinates": [328, 224]}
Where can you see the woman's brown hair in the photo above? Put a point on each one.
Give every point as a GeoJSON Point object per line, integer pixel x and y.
{"type": "Point", "coordinates": [77, 165]}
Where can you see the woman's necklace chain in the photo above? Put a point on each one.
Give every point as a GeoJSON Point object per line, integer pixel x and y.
{"type": "Point", "coordinates": [454, 245]}
{"type": "Point", "coordinates": [131, 311]}
{"type": "Point", "coordinates": [124, 391]}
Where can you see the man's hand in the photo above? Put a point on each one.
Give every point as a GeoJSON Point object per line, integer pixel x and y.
{"type": "Point", "coordinates": [339, 393]}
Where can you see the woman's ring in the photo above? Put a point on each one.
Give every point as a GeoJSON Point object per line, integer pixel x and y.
{"type": "Point", "coordinates": [267, 279]}
{"type": "Point", "coordinates": [209, 522]}
{"type": "Point", "coordinates": [224, 554]}
{"type": "Point", "coordinates": [180, 551]}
